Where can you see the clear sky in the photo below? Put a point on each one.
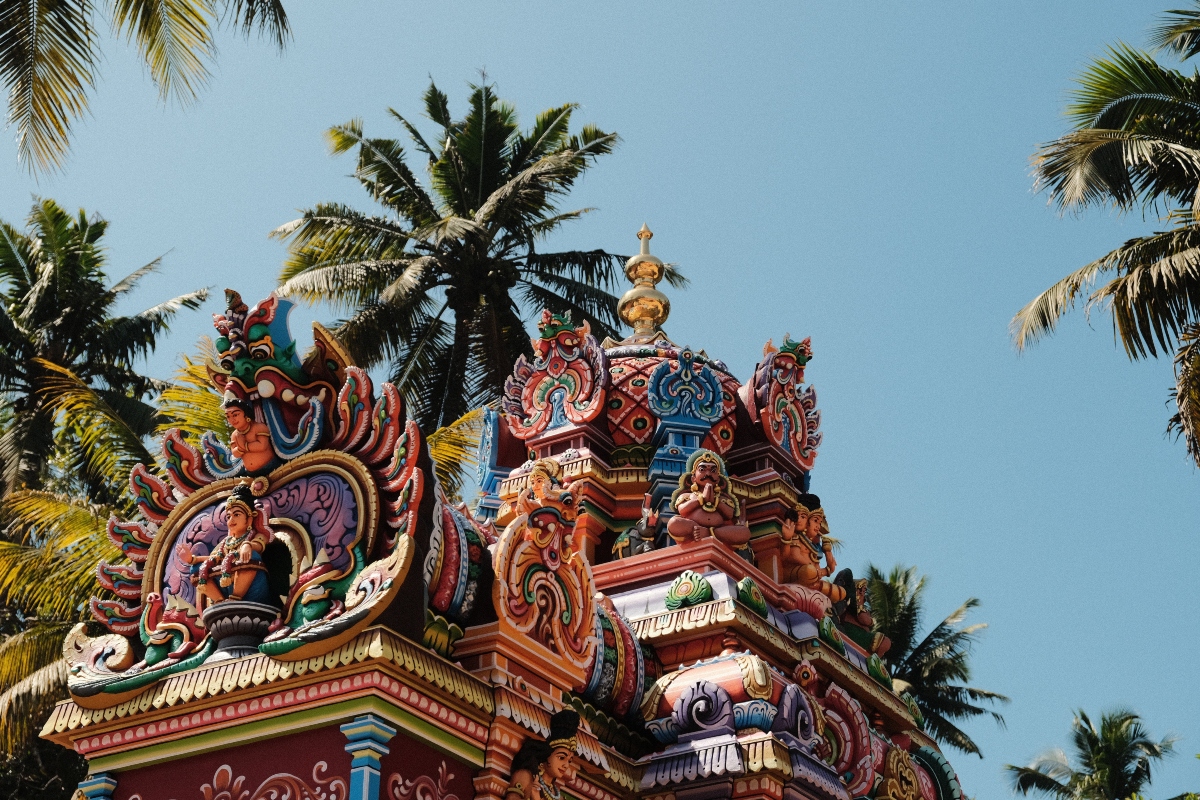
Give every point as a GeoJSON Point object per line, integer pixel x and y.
{"type": "Point", "coordinates": [853, 172]}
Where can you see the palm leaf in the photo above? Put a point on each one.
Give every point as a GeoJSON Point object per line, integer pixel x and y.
{"type": "Point", "coordinates": [28, 702]}
{"type": "Point", "coordinates": [47, 66]}
{"type": "Point", "coordinates": [268, 16]}
{"type": "Point", "coordinates": [174, 38]}
{"type": "Point", "coordinates": [190, 403]}
{"type": "Point", "coordinates": [1179, 33]}
{"type": "Point", "coordinates": [454, 448]}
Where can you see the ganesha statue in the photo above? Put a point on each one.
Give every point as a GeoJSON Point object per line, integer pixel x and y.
{"type": "Point", "coordinates": [704, 506]}
{"type": "Point", "coordinates": [805, 546]}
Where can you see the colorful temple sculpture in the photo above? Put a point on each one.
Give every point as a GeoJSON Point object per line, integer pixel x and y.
{"type": "Point", "coordinates": [644, 602]}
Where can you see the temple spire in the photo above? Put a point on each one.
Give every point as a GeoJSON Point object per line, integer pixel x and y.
{"type": "Point", "coordinates": [644, 307]}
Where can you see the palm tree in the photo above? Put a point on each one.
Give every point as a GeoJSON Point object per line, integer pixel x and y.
{"type": "Point", "coordinates": [50, 53]}
{"type": "Point", "coordinates": [1135, 144]}
{"type": "Point", "coordinates": [57, 330]}
{"type": "Point", "coordinates": [1111, 762]}
{"type": "Point", "coordinates": [439, 283]}
{"type": "Point", "coordinates": [935, 669]}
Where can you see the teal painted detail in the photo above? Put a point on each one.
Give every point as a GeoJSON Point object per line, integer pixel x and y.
{"type": "Point", "coordinates": [368, 737]}
{"type": "Point", "coordinates": [689, 589]}
{"type": "Point", "coordinates": [828, 634]}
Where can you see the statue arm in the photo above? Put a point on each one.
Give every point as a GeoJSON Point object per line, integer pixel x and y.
{"type": "Point", "coordinates": [830, 561]}
{"type": "Point", "coordinates": [520, 786]}
{"type": "Point", "coordinates": [259, 438]}
{"type": "Point", "coordinates": [688, 505]}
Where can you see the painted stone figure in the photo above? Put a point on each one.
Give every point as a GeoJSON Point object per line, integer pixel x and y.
{"type": "Point", "coordinates": [639, 538]}
{"type": "Point", "coordinates": [540, 768]}
{"type": "Point", "coordinates": [251, 439]}
{"type": "Point", "coordinates": [234, 570]}
{"type": "Point", "coordinates": [805, 545]}
{"type": "Point", "coordinates": [705, 507]}
{"type": "Point", "coordinates": [545, 478]}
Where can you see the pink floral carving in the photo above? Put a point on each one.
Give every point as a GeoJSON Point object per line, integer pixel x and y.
{"type": "Point", "coordinates": [422, 787]}
{"type": "Point", "coordinates": [280, 786]}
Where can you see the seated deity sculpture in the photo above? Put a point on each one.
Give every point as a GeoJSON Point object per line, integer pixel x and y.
{"type": "Point", "coordinates": [234, 570]}
{"type": "Point", "coordinates": [705, 507]}
{"type": "Point", "coordinates": [805, 545]}
{"type": "Point", "coordinates": [540, 768]}
{"type": "Point", "coordinates": [251, 439]}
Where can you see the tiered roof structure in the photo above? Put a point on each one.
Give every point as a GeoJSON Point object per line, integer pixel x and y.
{"type": "Point", "coordinates": [301, 610]}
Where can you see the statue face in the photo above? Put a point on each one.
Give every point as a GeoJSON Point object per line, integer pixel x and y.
{"type": "Point", "coordinates": [537, 485]}
{"type": "Point", "coordinates": [706, 472]}
{"type": "Point", "coordinates": [560, 760]}
{"type": "Point", "coordinates": [237, 419]}
{"type": "Point", "coordinates": [814, 524]}
{"type": "Point", "coordinates": [237, 521]}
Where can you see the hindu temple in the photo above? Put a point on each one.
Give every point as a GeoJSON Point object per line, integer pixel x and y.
{"type": "Point", "coordinates": [643, 603]}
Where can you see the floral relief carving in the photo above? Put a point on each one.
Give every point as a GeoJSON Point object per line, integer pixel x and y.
{"type": "Point", "coordinates": [280, 786]}
{"type": "Point", "coordinates": [421, 787]}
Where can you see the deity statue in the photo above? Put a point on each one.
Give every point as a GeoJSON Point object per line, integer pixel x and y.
{"type": "Point", "coordinates": [705, 507]}
{"type": "Point", "coordinates": [804, 546]}
{"type": "Point", "coordinates": [855, 619]}
{"type": "Point", "coordinates": [234, 570]}
{"type": "Point", "coordinates": [251, 439]}
{"type": "Point", "coordinates": [539, 768]}
{"type": "Point", "coordinates": [545, 478]}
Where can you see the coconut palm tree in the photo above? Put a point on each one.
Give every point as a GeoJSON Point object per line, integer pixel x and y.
{"type": "Point", "coordinates": [934, 669]}
{"type": "Point", "coordinates": [56, 328]}
{"type": "Point", "coordinates": [439, 283]}
{"type": "Point", "coordinates": [1111, 762]}
{"type": "Point", "coordinates": [1135, 144]}
{"type": "Point", "coordinates": [50, 53]}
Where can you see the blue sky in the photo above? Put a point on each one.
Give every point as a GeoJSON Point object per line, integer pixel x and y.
{"type": "Point", "coordinates": [853, 172]}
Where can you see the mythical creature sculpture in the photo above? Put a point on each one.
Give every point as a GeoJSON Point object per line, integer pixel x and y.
{"type": "Point", "coordinates": [639, 538]}
{"type": "Point", "coordinates": [541, 767]}
{"type": "Point", "coordinates": [320, 542]}
{"type": "Point", "coordinates": [705, 507]}
{"type": "Point", "coordinates": [787, 413]}
{"type": "Point", "coordinates": [543, 586]}
{"type": "Point", "coordinates": [564, 384]}
{"type": "Point", "coordinates": [234, 569]}
{"type": "Point", "coordinates": [805, 545]}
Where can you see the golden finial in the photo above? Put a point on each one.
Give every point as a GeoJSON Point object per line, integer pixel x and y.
{"type": "Point", "coordinates": [644, 308]}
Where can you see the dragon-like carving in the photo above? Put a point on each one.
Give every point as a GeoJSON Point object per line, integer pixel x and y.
{"type": "Point", "coordinates": [564, 384]}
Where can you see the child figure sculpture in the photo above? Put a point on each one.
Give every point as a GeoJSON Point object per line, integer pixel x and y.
{"type": "Point", "coordinates": [539, 768]}
{"type": "Point", "coordinates": [234, 570]}
{"type": "Point", "coordinates": [251, 439]}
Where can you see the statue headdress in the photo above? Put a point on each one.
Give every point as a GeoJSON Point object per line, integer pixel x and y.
{"type": "Point", "coordinates": [563, 729]}
{"type": "Point", "coordinates": [241, 497]}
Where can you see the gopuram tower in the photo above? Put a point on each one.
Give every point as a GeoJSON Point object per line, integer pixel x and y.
{"type": "Point", "coordinates": [644, 602]}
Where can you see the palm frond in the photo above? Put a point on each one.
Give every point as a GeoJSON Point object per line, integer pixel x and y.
{"type": "Point", "coordinates": [175, 40]}
{"type": "Point", "coordinates": [131, 280]}
{"type": "Point", "coordinates": [190, 403]}
{"type": "Point", "coordinates": [111, 447]}
{"type": "Point", "coordinates": [28, 702]}
{"type": "Point", "coordinates": [47, 66]}
{"type": "Point", "coordinates": [267, 16]}
{"type": "Point", "coordinates": [1186, 394]}
{"type": "Point", "coordinates": [1179, 33]}
{"type": "Point", "coordinates": [453, 449]}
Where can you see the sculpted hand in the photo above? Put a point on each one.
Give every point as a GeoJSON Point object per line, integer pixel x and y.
{"type": "Point", "coordinates": [183, 553]}
{"type": "Point", "coordinates": [707, 492]}
{"type": "Point", "coordinates": [244, 553]}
